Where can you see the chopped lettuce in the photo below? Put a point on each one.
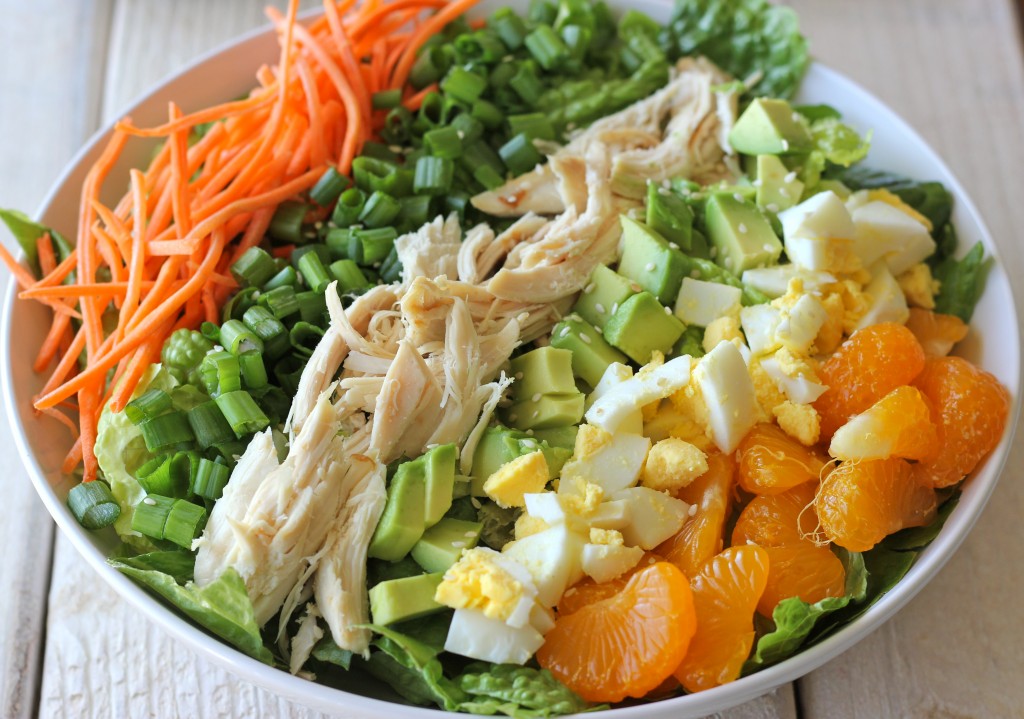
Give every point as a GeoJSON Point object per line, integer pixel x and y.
{"type": "Point", "coordinates": [177, 563]}
{"type": "Point", "coordinates": [961, 282]}
{"type": "Point", "coordinates": [747, 38]}
{"type": "Point", "coordinates": [26, 233]}
{"type": "Point", "coordinates": [835, 143]}
{"type": "Point", "coordinates": [795, 619]}
{"type": "Point", "coordinates": [121, 450]}
{"type": "Point", "coordinates": [521, 692]}
{"type": "Point", "coordinates": [412, 669]}
{"type": "Point", "coordinates": [223, 606]}
{"type": "Point", "coordinates": [330, 653]}
{"type": "Point", "coordinates": [499, 524]}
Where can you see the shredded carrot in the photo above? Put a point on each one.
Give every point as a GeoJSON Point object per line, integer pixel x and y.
{"type": "Point", "coordinates": [162, 253]}
{"type": "Point", "coordinates": [414, 101]}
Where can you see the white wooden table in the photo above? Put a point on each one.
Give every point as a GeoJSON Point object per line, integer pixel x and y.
{"type": "Point", "coordinates": [69, 647]}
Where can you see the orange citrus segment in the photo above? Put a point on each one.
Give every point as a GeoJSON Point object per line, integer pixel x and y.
{"type": "Point", "coordinates": [625, 645]}
{"type": "Point", "coordinates": [702, 535]}
{"type": "Point", "coordinates": [970, 409]}
{"type": "Point", "coordinates": [725, 594]}
{"type": "Point", "coordinates": [860, 503]}
{"type": "Point", "coordinates": [898, 425]}
{"type": "Point", "coordinates": [937, 333]}
{"type": "Point", "coordinates": [588, 591]}
{"type": "Point", "coordinates": [770, 461]}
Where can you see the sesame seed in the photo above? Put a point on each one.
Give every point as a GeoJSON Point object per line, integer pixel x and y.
{"type": "Point", "coordinates": [737, 196]}
{"type": "Point", "coordinates": [461, 134]}
{"type": "Point", "coordinates": [564, 331]}
{"type": "Point", "coordinates": [664, 192]}
{"type": "Point", "coordinates": [585, 338]}
{"type": "Point", "coordinates": [599, 330]}
{"type": "Point", "coordinates": [673, 245]}
{"type": "Point", "coordinates": [742, 228]}
{"type": "Point", "coordinates": [536, 397]}
{"type": "Point", "coordinates": [692, 510]}
{"type": "Point", "coordinates": [318, 224]}
{"type": "Point", "coordinates": [149, 501]}
{"type": "Point", "coordinates": [790, 177]}
{"type": "Point", "coordinates": [668, 310]}
{"type": "Point", "coordinates": [522, 317]}
{"type": "Point", "coordinates": [599, 307]}
{"type": "Point", "coordinates": [785, 144]}
{"type": "Point", "coordinates": [519, 376]}
{"type": "Point", "coordinates": [666, 183]}
{"type": "Point", "coordinates": [475, 502]}
{"type": "Point", "coordinates": [459, 544]}
{"type": "Point", "coordinates": [469, 535]}
{"type": "Point", "coordinates": [635, 286]}
{"type": "Point", "coordinates": [529, 433]}
{"type": "Point", "coordinates": [784, 192]}
{"type": "Point", "coordinates": [695, 274]}
{"type": "Point", "coordinates": [713, 252]}
{"type": "Point", "coordinates": [757, 182]}
{"type": "Point", "coordinates": [650, 267]}
{"type": "Point", "coordinates": [615, 307]}
{"type": "Point", "coordinates": [589, 288]}
{"type": "Point", "coordinates": [768, 248]}
{"type": "Point", "coordinates": [771, 207]}
{"type": "Point", "coordinates": [535, 415]}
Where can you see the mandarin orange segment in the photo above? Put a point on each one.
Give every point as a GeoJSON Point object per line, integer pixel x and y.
{"type": "Point", "coordinates": [701, 537]}
{"type": "Point", "coordinates": [783, 525]}
{"type": "Point", "coordinates": [937, 333]}
{"type": "Point", "coordinates": [898, 425]}
{"type": "Point", "coordinates": [625, 645]}
{"type": "Point", "coordinates": [869, 365]}
{"type": "Point", "coordinates": [970, 410]}
{"type": "Point", "coordinates": [725, 594]}
{"type": "Point", "coordinates": [588, 591]}
{"type": "Point", "coordinates": [770, 461]}
{"type": "Point", "coordinates": [860, 503]}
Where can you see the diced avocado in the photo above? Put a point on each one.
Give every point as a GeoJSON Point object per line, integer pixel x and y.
{"type": "Point", "coordinates": [778, 189]}
{"type": "Point", "coordinates": [669, 215]}
{"type": "Point", "coordinates": [691, 342]}
{"type": "Point", "coordinates": [591, 355]}
{"type": "Point", "coordinates": [564, 437]}
{"type": "Point", "coordinates": [648, 259]}
{"type": "Point", "coordinates": [399, 599]}
{"type": "Point", "coordinates": [461, 487]}
{"type": "Point", "coordinates": [442, 545]}
{"type": "Point", "coordinates": [835, 186]}
{"type": "Point", "coordinates": [555, 457]}
{"type": "Point", "coordinates": [402, 523]}
{"type": "Point", "coordinates": [642, 326]}
{"type": "Point", "coordinates": [699, 246]}
{"type": "Point", "coordinates": [493, 450]}
{"type": "Point", "coordinates": [549, 410]}
{"type": "Point", "coordinates": [604, 292]}
{"type": "Point", "coordinates": [545, 370]}
{"type": "Point", "coordinates": [439, 471]}
{"type": "Point", "coordinates": [741, 234]}
{"type": "Point", "coordinates": [769, 127]}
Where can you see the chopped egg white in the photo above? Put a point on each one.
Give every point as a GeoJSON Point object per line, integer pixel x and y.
{"type": "Point", "coordinates": [553, 559]}
{"type": "Point", "coordinates": [651, 383]}
{"type": "Point", "coordinates": [774, 281]}
{"type": "Point", "coordinates": [886, 301]}
{"type": "Point", "coordinates": [653, 516]}
{"type": "Point", "coordinates": [728, 394]}
{"type": "Point", "coordinates": [475, 635]}
{"type": "Point", "coordinates": [700, 303]}
{"type": "Point", "coordinates": [615, 374]}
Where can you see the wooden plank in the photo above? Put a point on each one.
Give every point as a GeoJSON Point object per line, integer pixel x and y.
{"type": "Point", "coordinates": [49, 90]}
{"type": "Point", "coordinates": [954, 70]}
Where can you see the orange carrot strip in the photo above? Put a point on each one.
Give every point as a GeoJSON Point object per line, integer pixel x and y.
{"type": "Point", "coordinates": [370, 19]}
{"type": "Point", "coordinates": [63, 292]}
{"type": "Point", "coordinates": [23, 277]}
{"type": "Point", "coordinates": [254, 233]}
{"type": "Point", "coordinates": [165, 281]}
{"type": "Point", "coordinates": [61, 273]}
{"type": "Point", "coordinates": [52, 343]}
{"type": "Point", "coordinates": [413, 102]}
{"type": "Point", "coordinates": [424, 32]}
{"type": "Point", "coordinates": [179, 174]}
{"type": "Point", "coordinates": [67, 363]}
{"type": "Point", "coordinates": [349, 64]}
{"type": "Point", "coordinates": [211, 114]}
{"type": "Point", "coordinates": [73, 458]}
{"type": "Point", "coordinates": [115, 227]}
{"type": "Point", "coordinates": [318, 146]}
{"type": "Point", "coordinates": [88, 398]}
{"type": "Point", "coordinates": [63, 419]}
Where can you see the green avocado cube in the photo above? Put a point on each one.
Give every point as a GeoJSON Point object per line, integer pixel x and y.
{"type": "Point", "coordinates": [545, 370]}
{"type": "Point", "coordinates": [494, 449]}
{"type": "Point", "coordinates": [549, 410]}
{"type": "Point", "coordinates": [442, 545]}
{"type": "Point", "coordinates": [741, 235]}
{"type": "Point", "coordinates": [649, 260]}
{"type": "Point", "coordinates": [603, 294]}
{"type": "Point", "coordinates": [642, 326]}
{"type": "Point", "coordinates": [777, 186]}
{"type": "Point", "coordinates": [591, 355]}
{"type": "Point", "coordinates": [439, 471]}
{"type": "Point", "coordinates": [402, 523]}
{"type": "Point", "coordinates": [399, 599]}
{"type": "Point", "coordinates": [769, 127]}
{"type": "Point", "coordinates": [564, 437]}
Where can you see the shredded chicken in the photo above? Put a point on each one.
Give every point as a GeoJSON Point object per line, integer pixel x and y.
{"type": "Point", "coordinates": [432, 250]}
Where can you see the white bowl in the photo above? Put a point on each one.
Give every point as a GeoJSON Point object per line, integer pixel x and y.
{"type": "Point", "coordinates": [228, 72]}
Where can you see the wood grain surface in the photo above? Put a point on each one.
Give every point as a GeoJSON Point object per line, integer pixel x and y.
{"type": "Point", "coordinates": [953, 68]}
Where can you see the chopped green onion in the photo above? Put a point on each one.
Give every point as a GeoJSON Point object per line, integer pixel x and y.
{"type": "Point", "coordinates": [546, 47]}
{"type": "Point", "coordinates": [444, 142]}
{"type": "Point", "coordinates": [396, 126]}
{"type": "Point", "coordinates": [150, 516]}
{"type": "Point", "coordinates": [242, 413]}
{"type": "Point", "coordinates": [479, 154]}
{"type": "Point", "coordinates": [237, 338]}
{"type": "Point", "coordinates": [269, 329]}
{"type": "Point", "coordinates": [220, 372]}
{"type": "Point", "coordinates": [468, 128]}
{"type": "Point", "coordinates": [509, 26]}
{"type": "Point", "coordinates": [93, 505]}
{"type": "Point", "coordinates": [167, 475]}
{"type": "Point", "coordinates": [253, 268]}
{"type": "Point", "coordinates": [375, 244]}
{"type": "Point", "coordinates": [372, 174]}
{"type": "Point", "coordinates": [349, 276]}
{"type": "Point", "coordinates": [313, 271]}
{"type": "Point", "coordinates": [312, 306]}
{"type": "Point", "coordinates": [321, 250]}
{"type": "Point", "coordinates": [501, 75]}
{"type": "Point", "coordinates": [211, 478]}
{"type": "Point", "coordinates": [152, 403]}
{"type": "Point", "coordinates": [542, 12]}
{"type": "Point", "coordinates": [526, 84]}
{"type": "Point", "coordinates": [329, 187]}
{"type": "Point", "coordinates": [534, 125]}
{"type": "Point", "coordinates": [208, 425]}
{"type": "Point", "coordinates": [380, 152]}
{"type": "Point", "coordinates": [487, 114]}
{"type": "Point", "coordinates": [350, 206]}
{"type": "Point", "coordinates": [463, 85]}
{"type": "Point", "coordinates": [166, 431]}
{"type": "Point", "coordinates": [430, 66]}
{"type": "Point", "coordinates": [281, 302]}
{"type": "Point", "coordinates": [211, 331]}
{"type": "Point", "coordinates": [288, 371]}
{"type": "Point", "coordinates": [391, 268]}
{"type": "Point", "coordinates": [286, 225]}
{"type": "Point", "coordinates": [433, 176]}
{"type": "Point", "coordinates": [520, 155]}
{"type": "Point", "coordinates": [387, 99]}
{"type": "Point", "coordinates": [243, 300]}
{"type": "Point", "coordinates": [577, 41]}
{"type": "Point", "coordinates": [285, 278]}
{"type": "Point", "coordinates": [305, 336]}
{"type": "Point", "coordinates": [457, 202]}
{"type": "Point", "coordinates": [380, 209]}
{"type": "Point", "coordinates": [254, 372]}
{"type": "Point", "coordinates": [415, 212]}
{"type": "Point", "coordinates": [482, 46]}
{"type": "Point", "coordinates": [184, 522]}
{"type": "Point", "coordinates": [487, 177]}
{"type": "Point", "coordinates": [337, 239]}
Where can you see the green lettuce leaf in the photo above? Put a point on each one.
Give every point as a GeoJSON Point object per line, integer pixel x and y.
{"type": "Point", "coordinates": [835, 143]}
{"type": "Point", "coordinates": [176, 563]}
{"type": "Point", "coordinates": [521, 692]}
{"type": "Point", "coordinates": [223, 606]}
{"type": "Point", "coordinates": [743, 37]}
{"type": "Point", "coordinates": [919, 537]}
{"type": "Point", "coordinates": [961, 282]}
{"type": "Point", "coordinates": [121, 450]}
{"type": "Point", "coordinates": [26, 232]}
{"type": "Point", "coordinates": [795, 619]}
{"type": "Point", "coordinates": [329, 652]}
{"type": "Point", "coordinates": [412, 669]}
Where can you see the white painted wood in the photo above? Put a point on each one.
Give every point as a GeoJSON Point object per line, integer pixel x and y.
{"type": "Point", "coordinates": [47, 91]}
{"type": "Point", "coordinates": [954, 70]}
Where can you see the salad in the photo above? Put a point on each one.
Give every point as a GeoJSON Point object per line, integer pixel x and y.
{"type": "Point", "coordinates": [528, 365]}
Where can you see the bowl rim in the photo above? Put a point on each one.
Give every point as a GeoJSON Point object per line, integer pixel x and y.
{"type": "Point", "coordinates": [926, 565]}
